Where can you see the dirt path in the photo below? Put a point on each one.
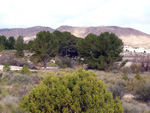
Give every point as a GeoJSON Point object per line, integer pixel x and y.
{"type": "Point", "coordinates": [13, 68]}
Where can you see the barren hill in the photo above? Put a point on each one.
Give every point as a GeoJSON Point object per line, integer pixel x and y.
{"type": "Point", "coordinates": [129, 36]}
{"type": "Point", "coordinates": [25, 32]}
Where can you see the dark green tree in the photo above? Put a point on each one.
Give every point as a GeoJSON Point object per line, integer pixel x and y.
{"type": "Point", "coordinates": [3, 42]}
{"type": "Point", "coordinates": [11, 43]}
{"type": "Point", "coordinates": [45, 47]}
{"type": "Point", "coordinates": [100, 52]}
{"type": "Point", "coordinates": [29, 46]}
{"type": "Point", "coordinates": [80, 92]}
{"type": "Point", "coordinates": [67, 44]}
{"type": "Point", "coordinates": [19, 46]}
{"type": "Point", "coordinates": [2, 47]}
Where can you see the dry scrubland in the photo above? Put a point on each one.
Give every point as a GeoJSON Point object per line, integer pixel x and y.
{"type": "Point", "coordinates": [14, 85]}
{"type": "Point", "coordinates": [132, 88]}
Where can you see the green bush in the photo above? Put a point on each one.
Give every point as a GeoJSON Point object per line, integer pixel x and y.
{"type": "Point", "coordinates": [25, 70]}
{"type": "Point", "coordinates": [1, 107]}
{"type": "Point", "coordinates": [125, 76]}
{"type": "Point", "coordinates": [65, 62]}
{"type": "Point", "coordinates": [74, 93]}
{"type": "Point", "coordinates": [134, 107]}
{"type": "Point", "coordinates": [117, 90]}
{"type": "Point", "coordinates": [123, 63]}
{"type": "Point", "coordinates": [135, 68]}
{"type": "Point", "coordinates": [6, 67]}
{"type": "Point", "coordinates": [126, 70]}
{"type": "Point", "coordinates": [143, 93]}
{"type": "Point", "coordinates": [22, 79]}
{"type": "Point", "coordinates": [137, 76]}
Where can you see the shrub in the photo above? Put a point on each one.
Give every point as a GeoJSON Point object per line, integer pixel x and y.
{"type": "Point", "coordinates": [23, 79]}
{"type": "Point", "coordinates": [135, 68]}
{"type": "Point", "coordinates": [143, 93]}
{"type": "Point", "coordinates": [0, 91]}
{"type": "Point", "coordinates": [1, 106]}
{"type": "Point", "coordinates": [78, 92]}
{"type": "Point", "coordinates": [118, 90]}
{"type": "Point", "coordinates": [126, 70]}
{"type": "Point", "coordinates": [125, 76]}
{"type": "Point", "coordinates": [123, 63]}
{"type": "Point", "coordinates": [6, 67]}
{"type": "Point", "coordinates": [135, 108]}
{"type": "Point", "coordinates": [25, 70]}
{"type": "Point", "coordinates": [34, 59]}
{"type": "Point", "coordinates": [7, 75]}
{"type": "Point", "coordinates": [137, 76]}
{"type": "Point", "coordinates": [65, 62]}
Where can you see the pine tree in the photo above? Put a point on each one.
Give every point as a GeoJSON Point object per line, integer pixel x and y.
{"type": "Point", "coordinates": [45, 47]}
{"type": "Point", "coordinates": [6, 67]}
{"type": "Point", "coordinates": [25, 70]}
{"type": "Point", "coordinates": [19, 46]}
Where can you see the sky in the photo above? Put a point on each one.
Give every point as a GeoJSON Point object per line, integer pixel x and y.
{"type": "Point", "coordinates": [55, 13]}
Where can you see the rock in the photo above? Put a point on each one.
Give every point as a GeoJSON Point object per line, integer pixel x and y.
{"type": "Point", "coordinates": [128, 97]}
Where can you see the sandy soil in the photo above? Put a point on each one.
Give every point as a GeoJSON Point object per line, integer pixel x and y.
{"type": "Point", "coordinates": [13, 68]}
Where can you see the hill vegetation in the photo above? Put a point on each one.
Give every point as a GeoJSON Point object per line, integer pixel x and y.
{"type": "Point", "coordinates": [97, 51]}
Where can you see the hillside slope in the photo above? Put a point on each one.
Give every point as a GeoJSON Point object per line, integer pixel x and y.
{"type": "Point", "coordinates": [25, 32]}
{"type": "Point", "coordinates": [130, 37]}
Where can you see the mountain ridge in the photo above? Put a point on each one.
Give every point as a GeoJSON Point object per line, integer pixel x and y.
{"type": "Point", "coordinates": [25, 32]}
{"type": "Point", "coordinates": [129, 36]}
{"type": "Point", "coordinates": [101, 29]}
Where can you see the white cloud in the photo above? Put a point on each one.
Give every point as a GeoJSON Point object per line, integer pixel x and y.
{"type": "Point", "coordinates": [53, 13]}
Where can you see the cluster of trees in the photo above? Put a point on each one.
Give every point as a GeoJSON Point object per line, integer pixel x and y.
{"type": "Point", "coordinates": [11, 43]}
{"type": "Point", "coordinates": [100, 51]}
{"type": "Point", "coordinates": [97, 51]}
{"type": "Point", "coordinates": [7, 44]}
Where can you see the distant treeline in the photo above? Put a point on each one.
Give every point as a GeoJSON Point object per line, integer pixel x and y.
{"type": "Point", "coordinates": [7, 44]}
{"type": "Point", "coordinates": [97, 51]}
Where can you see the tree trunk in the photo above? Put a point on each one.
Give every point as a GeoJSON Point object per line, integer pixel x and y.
{"type": "Point", "coordinates": [44, 64]}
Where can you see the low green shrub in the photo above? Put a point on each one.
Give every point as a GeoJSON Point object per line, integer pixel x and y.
{"type": "Point", "coordinates": [64, 62]}
{"type": "Point", "coordinates": [25, 70]}
{"type": "Point", "coordinates": [135, 108]}
{"type": "Point", "coordinates": [6, 67]}
{"type": "Point", "coordinates": [135, 68]}
{"type": "Point", "coordinates": [117, 90]}
{"type": "Point", "coordinates": [7, 75]}
{"type": "Point", "coordinates": [1, 107]}
{"type": "Point", "coordinates": [74, 93]}
{"type": "Point", "coordinates": [143, 93]}
{"type": "Point", "coordinates": [123, 63]}
{"type": "Point", "coordinates": [125, 76]}
{"type": "Point", "coordinates": [22, 79]}
{"type": "Point", "coordinates": [126, 70]}
{"type": "Point", "coordinates": [0, 91]}
{"type": "Point", "coordinates": [137, 76]}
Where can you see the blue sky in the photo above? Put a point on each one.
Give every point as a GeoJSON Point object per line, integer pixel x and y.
{"type": "Point", "coordinates": [54, 13]}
